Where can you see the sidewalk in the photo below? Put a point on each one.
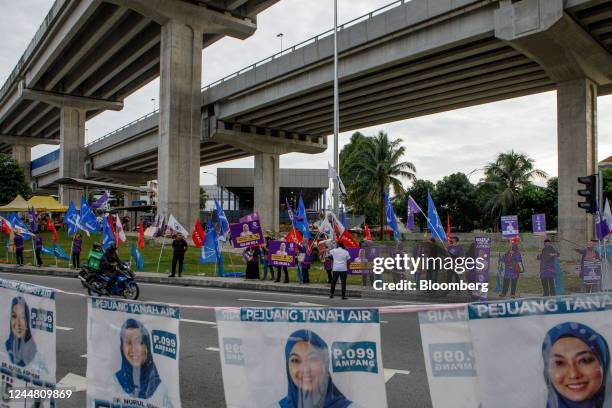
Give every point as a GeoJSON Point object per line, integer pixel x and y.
{"type": "Point", "coordinates": [269, 286]}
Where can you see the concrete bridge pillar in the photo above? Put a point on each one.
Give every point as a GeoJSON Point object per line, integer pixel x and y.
{"type": "Point", "coordinates": [72, 152]}
{"type": "Point", "coordinates": [178, 163]}
{"type": "Point", "coordinates": [267, 190]}
{"type": "Point", "coordinates": [22, 155]}
{"type": "Point", "coordinates": [577, 156]}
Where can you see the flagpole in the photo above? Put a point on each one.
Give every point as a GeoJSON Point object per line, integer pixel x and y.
{"type": "Point", "coordinates": [70, 261]}
{"type": "Point", "coordinates": [336, 109]}
{"type": "Point", "coordinates": [428, 221]}
{"type": "Point", "coordinates": [160, 252]}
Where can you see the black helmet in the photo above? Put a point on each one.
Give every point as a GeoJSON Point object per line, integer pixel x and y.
{"type": "Point", "coordinates": [97, 246]}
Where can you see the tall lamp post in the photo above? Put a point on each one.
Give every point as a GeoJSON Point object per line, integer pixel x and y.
{"type": "Point", "coordinates": [280, 35]}
{"type": "Point", "coordinates": [336, 113]}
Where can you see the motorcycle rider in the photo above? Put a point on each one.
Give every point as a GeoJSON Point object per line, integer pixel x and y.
{"type": "Point", "coordinates": [109, 265]}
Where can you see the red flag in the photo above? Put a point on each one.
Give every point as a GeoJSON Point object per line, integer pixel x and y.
{"type": "Point", "coordinates": [294, 236]}
{"type": "Point", "coordinates": [347, 239]}
{"type": "Point", "coordinates": [51, 228]}
{"type": "Point", "coordinates": [140, 236]}
{"type": "Point", "coordinates": [6, 228]}
{"type": "Point", "coordinates": [366, 231]}
{"type": "Point", "coordinates": [198, 235]}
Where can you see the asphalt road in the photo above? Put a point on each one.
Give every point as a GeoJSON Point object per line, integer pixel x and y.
{"type": "Point", "coordinates": [200, 368]}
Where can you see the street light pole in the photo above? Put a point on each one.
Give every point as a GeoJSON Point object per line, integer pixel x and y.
{"type": "Point", "coordinates": [336, 113]}
{"type": "Point", "coordinates": [154, 107]}
{"type": "Point", "coordinates": [280, 35]}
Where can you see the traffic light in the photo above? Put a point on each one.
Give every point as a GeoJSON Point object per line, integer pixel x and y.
{"type": "Point", "coordinates": [589, 193]}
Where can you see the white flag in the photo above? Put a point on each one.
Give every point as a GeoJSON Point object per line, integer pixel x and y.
{"type": "Point", "coordinates": [120, 233]}
{"type": "Point", "coordinates": [176, 226]}
{"type": "Point", "coordinates": [607, 214]}
{"type": "Point", "coordinates": [332, 174]}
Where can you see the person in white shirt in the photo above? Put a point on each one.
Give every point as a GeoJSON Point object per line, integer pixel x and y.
{"type": "Point", "coordinates": [341, 259]}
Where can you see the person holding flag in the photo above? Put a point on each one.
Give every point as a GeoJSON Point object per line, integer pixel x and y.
{"type": "Point", "coordinates": [77, 243]}
{"type": "Point", "coordinates": [38, 246]}
{"type": "Point", "coordinates": [18, 243]}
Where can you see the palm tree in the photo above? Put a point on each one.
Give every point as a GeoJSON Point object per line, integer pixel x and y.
{"type": "Point", "coordinates": [505, 177]}
{"type": "Point", "coordinates": [377, 166]}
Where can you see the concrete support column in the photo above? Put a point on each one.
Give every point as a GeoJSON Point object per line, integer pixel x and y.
{"type": "Point", "coordinates": [22, 155]}
{"type": "Point", "coordinates": [72, 152]}
{"type": "Point", "coordinates": [267, 190]}
{"type": "Point", "coordinates": [178, 174]}
{"type": "Point", "coordinates": [577, 156]}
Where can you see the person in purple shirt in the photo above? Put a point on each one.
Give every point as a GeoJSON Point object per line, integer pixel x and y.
{"type": "Point", "coordinates": [77, 242]}
{"type": "Point", "coordinates": [18, 242]}
{"type": "Point", "coordinates": [38, 243]}
{"type": "Point", "coordinates": [548, 268]}
{"type": "Point", "coordinates": [590, 268]}
{"type": "Point", "coordinates": [513, 266]}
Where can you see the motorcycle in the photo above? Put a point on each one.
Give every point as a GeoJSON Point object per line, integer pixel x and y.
{"type": "Point", "coordinates": [124, 286]}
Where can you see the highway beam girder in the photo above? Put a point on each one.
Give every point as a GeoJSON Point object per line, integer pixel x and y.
{"type": "Point", "coordinates": [199, 18]}
{"type": "Point", "coordinates": [68, 101]}
{"type": "Point", "coordinates": [27, 140]}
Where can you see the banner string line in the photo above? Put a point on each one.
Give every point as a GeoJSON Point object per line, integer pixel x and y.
{"type": "Point", "coordinates": [381, 309]}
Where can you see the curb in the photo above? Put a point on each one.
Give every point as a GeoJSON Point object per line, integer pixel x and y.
{"type": "Point", "coordinates": [241, 284]}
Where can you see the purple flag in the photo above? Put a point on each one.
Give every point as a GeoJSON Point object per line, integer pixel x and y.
{"type": "Point", "coordinates": [601, 226]}
{"type": "Point", "coordinates": [32, 213]}
{"type": "Point", "coordinates": [100, 201]}
{"type": "Point", "coordinates": [413, 208]}
{"type": "Point", "coordinates": [538, 223]}
{"type": "Point", "coordinates": [289, 211]}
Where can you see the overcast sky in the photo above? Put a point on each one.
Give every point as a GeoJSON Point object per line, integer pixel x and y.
{"type": "Point", "coordinates": [440, 144]}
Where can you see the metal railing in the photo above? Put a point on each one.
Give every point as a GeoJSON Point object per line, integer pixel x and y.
{"type": "Point", "coordinates": [140, 119]}
{"type": "Point", "coordinates": [268, 59]}
{"type": "Point", "coordinates": [311, 40]}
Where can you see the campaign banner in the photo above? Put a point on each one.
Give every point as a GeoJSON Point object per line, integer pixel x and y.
{"type": "Point", "coordinates": [132, 354]}
{"type": "Point", "coordinates": [246, 234]}
{"type": "Point", "coordinates": [538, 224]}
{"type": "Point", "coordinates": [281, 253]}
{"type": "Point", "coordinates": [301, 357]}
{"type": "Point", "coordinates": [544, 352]}
{"type": "Point", "coordinates": [591, 271]}
{"type": "Point", "coordinates": [27, 348]}
{"type": "Point", "coordinates": [509, 226]}
{"type": "Point", "coordinates": [449, 358]}
{"type": "Point", "coordinates": [360, 263]}
{"type": "Point", "coordinates": [482, 247]}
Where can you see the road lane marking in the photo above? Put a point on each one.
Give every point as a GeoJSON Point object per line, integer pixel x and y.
{"type": "Point", "coordinates": [389, 373]}
{"type": "Point", "coordinates": [206, 322]}
{"type": "Point", "coordinates": [74, 382]}
{"type": "Point", "coordinates": [64, 328]}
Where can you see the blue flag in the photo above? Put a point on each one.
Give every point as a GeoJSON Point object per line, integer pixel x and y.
{"type": "Point", "coordinates": [223, 223]}
{"type": "Point", "coordinates": [138, 259]}
{"type": "Point", "coordinates": [71, 219]}
{"type": "Point", "coordinates": [47, 251]}
{"type": "Point", "coordinates": [343, 217]}
{"type": "Point", "coordinates": [301, 221]}
{"type": "Point", "coordinates": [59, 253]}
{"type": "Point", "coordinates": [108, 237]}
{"type": "Point", "coordinates": [391, 220]}
{"type": "Point", "coordinates": [433, 221]}
{"type": "Point", "coordinates": [18, 225]}
{"type": "Point", "coordinates": [88, 221]}
{"type": "Point", "coordinates": [210, 246]}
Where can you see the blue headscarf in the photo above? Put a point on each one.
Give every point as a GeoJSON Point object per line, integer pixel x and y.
{"type": "Point", "coordinates": [329, 396]}
{"type": "Point", "coordinates": [21, 351]}
{"type": "Point", "coordinates": [598, 346]}
{"type": "Point", "coordinates": [147, 379]}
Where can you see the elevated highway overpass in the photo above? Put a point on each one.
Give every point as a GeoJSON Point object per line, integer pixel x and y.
{"type": "Point", "coordinates": [408, 59]}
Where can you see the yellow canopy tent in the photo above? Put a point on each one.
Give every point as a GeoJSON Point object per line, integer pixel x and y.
{"type": "Point", "coordinates": [18, 205]}
{"type": "Point", "coordinates": [46, 204]}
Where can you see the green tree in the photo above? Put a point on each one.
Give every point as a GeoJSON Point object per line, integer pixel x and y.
{"type": "Point", "coordinates": [354, 200]}
{"type": "Point", "coordinates": [457, 196]}
{"type": "Point", "coordinates": [379, 165]}
{"type": "Point", "coordinates": [531, 199]}
{"type": "Point", "coordinates": [504, 178]}
{"type": "Point", "coordinates": [13, 180]}
{"type": "Point", "coordinates": [607, 183]}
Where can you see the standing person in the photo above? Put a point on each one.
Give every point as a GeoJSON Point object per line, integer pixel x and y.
{"type": "Point", "coordinates": [38, 243]}
{"type": "Point", "coordinates": [306, 261]}
{"type": "Point", "coordinates": [18, 243]}
{"type": "Point", "coordinates": [327, 262]}
{"type": "Point", "coordinates": [263, 260]}
{"type": "Point", "coordinates": [432, 252]}
{"type": "Point", "coordinates": [547, 268]}
{"type": "Point", "coordinates": [278, 274]}
{"type": "Point", "coordinates": [251, 256]}
{"type": "Point", "coordinates": [513, 267]}
{"type": "Point", "coordinates": [179, 247]}
{"type": "Point", "coordinates": [455, 251]}
{"type": "Point", "coordinates": [590, 268]}
{"type": "Point", "coordinates": [77, 243]}
{"type": "Point", "coordinates": [341, 259]}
